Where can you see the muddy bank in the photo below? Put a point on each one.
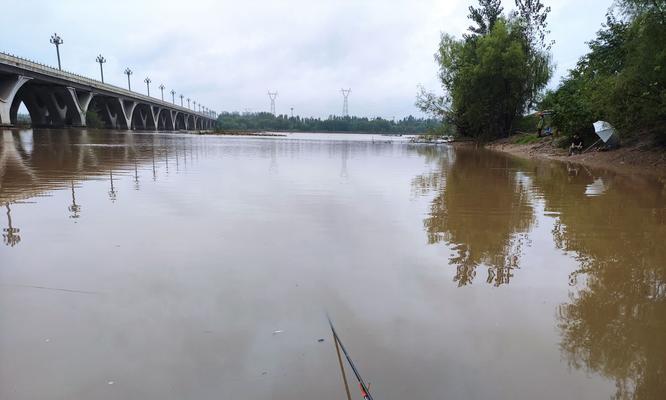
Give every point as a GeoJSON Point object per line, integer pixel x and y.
{"type": "Point", "coordinates": [638, 158]}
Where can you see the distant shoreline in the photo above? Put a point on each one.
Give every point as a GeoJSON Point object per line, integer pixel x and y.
{"type": "Point", "coordinates": [283, 133]}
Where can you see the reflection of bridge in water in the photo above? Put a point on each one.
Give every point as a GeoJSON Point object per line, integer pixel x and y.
{"type": "Point", "coordinates": [57, 98]}
{"type": "Point", "coordinates": [31, 165]}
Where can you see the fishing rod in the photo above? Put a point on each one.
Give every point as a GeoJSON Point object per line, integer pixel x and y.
{"type": "Point", "coordinates": [365, 392]}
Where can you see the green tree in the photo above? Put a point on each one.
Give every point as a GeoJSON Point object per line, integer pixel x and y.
{"type": "Point", "coordinates": [622, 79]}
{"type": "Point", "coordinates": [495, 75]}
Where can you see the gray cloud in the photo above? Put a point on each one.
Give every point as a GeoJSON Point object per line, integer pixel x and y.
{"type": "Point", "coordinates": [227, 54]}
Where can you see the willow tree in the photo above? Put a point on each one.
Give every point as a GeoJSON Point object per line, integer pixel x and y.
{"type": "Point", "coordinates": [493, 74]}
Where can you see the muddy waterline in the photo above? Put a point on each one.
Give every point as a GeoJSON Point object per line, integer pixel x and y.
{"type": "Point", "coordinates": [164, 266]}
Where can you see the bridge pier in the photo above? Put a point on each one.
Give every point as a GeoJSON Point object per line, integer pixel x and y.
{"type": "Point", "coordinates": [155, 115]}
{"type": "Point", "coordinates": [174, 115]}
{"type": "Point", "coordinates": [111, 114]}
{"type": "Point", "coordinates": [9, 87]}
{"type": "Point", "coordinates": [127, 109]}
{"type": "Point", "coordinates": [80, 101]}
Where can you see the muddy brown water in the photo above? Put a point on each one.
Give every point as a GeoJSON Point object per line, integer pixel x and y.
{"type": "Point", "coordinates": [167, 266]}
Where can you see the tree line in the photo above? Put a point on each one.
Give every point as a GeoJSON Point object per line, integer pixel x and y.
{"type": "Point", "coordinates": [495, 75]}
{"type": "Point", "coordinates": [262, 121]}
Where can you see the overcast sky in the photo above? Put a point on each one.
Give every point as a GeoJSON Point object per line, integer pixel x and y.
{"type": "Point", "coordinates": [228, 54]}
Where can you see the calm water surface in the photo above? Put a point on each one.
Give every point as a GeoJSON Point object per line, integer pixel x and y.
{"type": "Point", "coordinates": [160, 266]}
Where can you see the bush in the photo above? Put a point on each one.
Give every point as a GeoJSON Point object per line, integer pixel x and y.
{"type": "Point", "coordinates": [93, 120]}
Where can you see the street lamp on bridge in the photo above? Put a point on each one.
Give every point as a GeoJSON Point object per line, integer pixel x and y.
{"type": "Point", "coordinates": [128, 72]}
{"type": "Point", "coordinates": [147, 80]}
{"type": "Point", "coordinates": [162, 90]}
{"type": "Point", "coordinates": [101, 60]}
{"type": "Point", "coordinates": [181, 100]}
{"type": "Point", "coordinates": [188, 102]}
{"type": "Point", "coordinates": [57, 41]}
{"type": "Point", "coordinates": [195, 106]}
{"type": "Point", "coordinates": [173, 96]}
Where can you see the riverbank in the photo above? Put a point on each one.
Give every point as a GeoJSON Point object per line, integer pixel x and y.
{"type": "Point", "coordinates": [636, 158]}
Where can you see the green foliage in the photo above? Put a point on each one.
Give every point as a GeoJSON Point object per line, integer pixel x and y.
{"type": "Point", "coordinates": [494, 75]}
{"type": "Point", "coordinates": [485, 16]}
{"type": "Point", "coordinates": [268, 121]}
{"type": "Point", "coordinates": [622, 79]}
{"type": "Point", "coordinates": [93, 120]}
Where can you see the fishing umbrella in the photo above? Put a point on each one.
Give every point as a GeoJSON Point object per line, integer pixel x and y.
{"type": "Point", "coordinates": [607, 133]}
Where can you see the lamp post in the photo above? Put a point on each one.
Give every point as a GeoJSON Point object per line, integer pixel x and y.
{"type": "Point", "coordinates": [101, 60]}
{"type": "Point", "coordinates": [188, 102]}
{"type": "Point", "coordinates": [181, 100]}
{"type": "Point", "coordinates": [195, 106]}
{"type": "Point", "coordinates": [57, 41]}
{"type": "Point", "coordinates": [147, 80]}
{"type": "Point", "coordinates": [128, 72]}
{"type": "Point", "coordinates": [162, 90]}
{"type": "Point", "coordinates": [173, 96]}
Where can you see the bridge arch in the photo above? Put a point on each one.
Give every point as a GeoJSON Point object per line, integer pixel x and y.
{"type": "Point", "coordinates": [164, 120]}
{"type": "Point", "coordinates": [48, 105]}
{"type": "Point", "coordinates": [142, 118]}
{"type": "Point", "coordinates": [180, 121]}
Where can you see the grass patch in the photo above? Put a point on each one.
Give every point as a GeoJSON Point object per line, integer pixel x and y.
{"type": "Point", "coordinates": [525, 138]}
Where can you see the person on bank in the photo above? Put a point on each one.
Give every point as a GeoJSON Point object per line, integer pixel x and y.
{"type": "Point", "coordinates": [576, 145]}
{"type": "Point", "coordinates": [540, 123]}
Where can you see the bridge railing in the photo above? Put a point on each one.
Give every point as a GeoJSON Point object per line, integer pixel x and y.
{"type": "Point", "coordinates": [40, 68]}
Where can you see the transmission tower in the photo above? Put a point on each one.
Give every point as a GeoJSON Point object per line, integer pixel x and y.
{"type": "Point", "coordinates": [273, 96]}
{"type": "Point", "coordinates": [345, 103]}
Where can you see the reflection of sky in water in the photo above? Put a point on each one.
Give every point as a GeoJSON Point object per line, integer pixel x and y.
{"type": "Point", "coordinates": [596, 188]}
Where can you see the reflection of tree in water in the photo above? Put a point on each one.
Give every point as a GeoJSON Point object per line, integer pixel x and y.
{"type": "Point", "coordinates": [615, 323]}
{"type": "Point", "coordinates": [482, 210]}
{"type": "Point", "coordinates": [10, 235]}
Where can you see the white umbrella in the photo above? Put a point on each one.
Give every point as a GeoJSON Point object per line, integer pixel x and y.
{"type": "Point", "coordinates": [606, 132]}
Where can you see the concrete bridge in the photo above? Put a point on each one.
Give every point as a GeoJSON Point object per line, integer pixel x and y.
{"type": "Point", "coordinates": [57, 98]}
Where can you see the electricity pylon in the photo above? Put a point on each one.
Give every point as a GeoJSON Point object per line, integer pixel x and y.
{"type": "Point", "coordinates": [273, 96]}
{"type": "Point", "coordinates": [345, 102]}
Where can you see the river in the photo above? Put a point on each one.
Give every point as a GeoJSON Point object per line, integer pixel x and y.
{"type": "Point", "coordinates": [174, 266]}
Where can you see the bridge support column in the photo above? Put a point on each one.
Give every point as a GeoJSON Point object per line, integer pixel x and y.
{"type": "Point", "coordinates": [57, 111]}
{"type": "Point", "coordinates": [143, 119]}
{"type": "Point", "coordinates": [81, 102]}
{"type": "Point", "coordinates": [111, 114]}
{"type": "Point", "coordinates": [8, 89]}
{"type": "Point", "coordinates": [174, 115]}
{"type": "Point", "coordinates": [127, 109]}
{"type": "Point", "coordinates": [155, 115]}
